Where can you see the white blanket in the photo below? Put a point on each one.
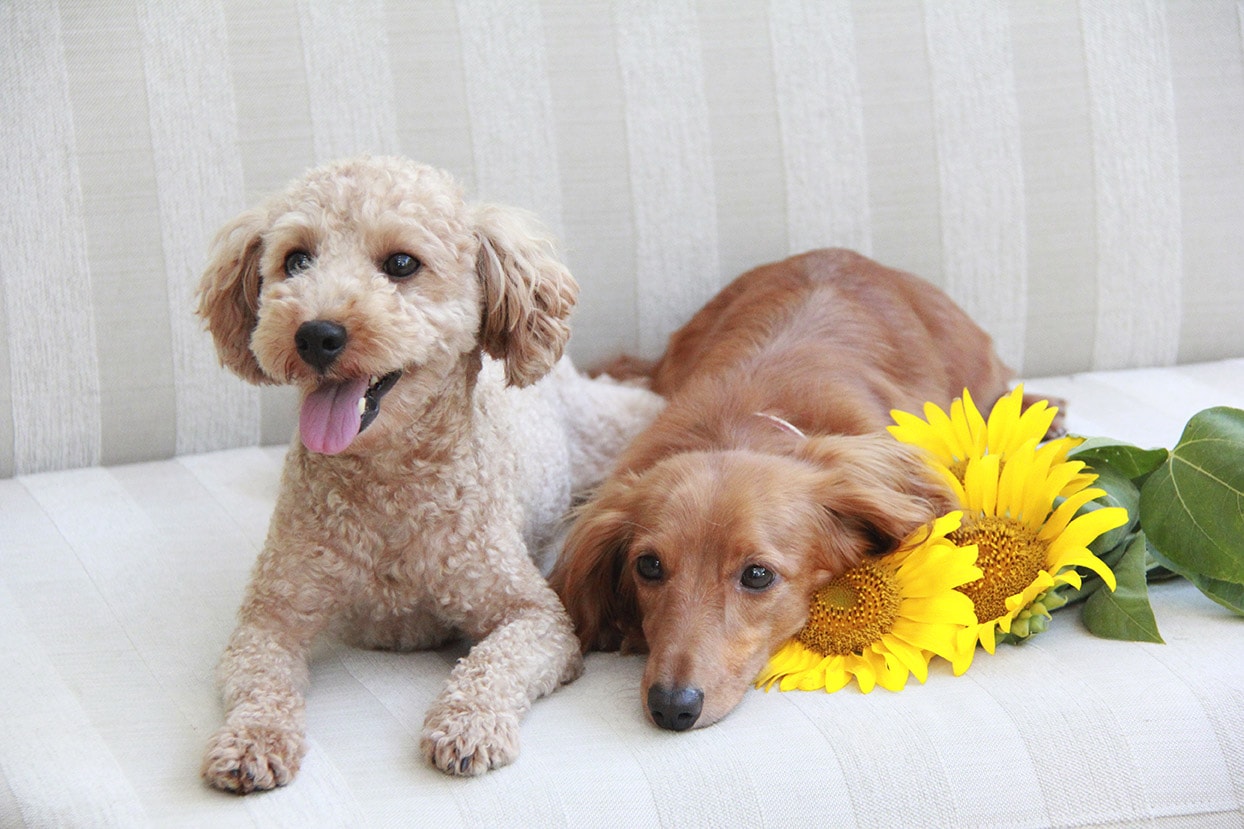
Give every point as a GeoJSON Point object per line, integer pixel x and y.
{"type": "Point", "coordinates": [118, 588]}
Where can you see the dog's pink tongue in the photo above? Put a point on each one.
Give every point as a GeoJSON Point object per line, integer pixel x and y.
{"type": "Point", "coordinates": [330, 416]}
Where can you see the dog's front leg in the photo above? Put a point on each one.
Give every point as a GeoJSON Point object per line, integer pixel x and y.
{"type": "Point", "coordinates": [263, 674]}
{"type": "Point", "coordinates": [525, 649]}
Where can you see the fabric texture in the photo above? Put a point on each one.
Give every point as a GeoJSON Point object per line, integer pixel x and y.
{"type": "Point", "coordinates": [117, 592]}
{"type": "Point", "coordinates": [1069, 171]}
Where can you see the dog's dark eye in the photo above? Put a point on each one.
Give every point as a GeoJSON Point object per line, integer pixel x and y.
{"type": "Point", "coordinates": [401, 265]}
{"type": "Point", "coordinates": [296, 262]}
{"type": "Point", "coordinates": [756, 577]}
{"type": "Point", "coordinates": [648, 567]}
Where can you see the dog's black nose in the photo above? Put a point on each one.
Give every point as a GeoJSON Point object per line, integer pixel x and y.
{"type": "Point", "coordinates": [319, 343]}
{"type": "Point", "coordinates": [675, 708]}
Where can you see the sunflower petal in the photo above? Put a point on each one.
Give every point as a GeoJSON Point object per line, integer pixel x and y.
{"type": "Point", "coordinates": [1084, 558]}
{"type": "Point", "coordinates": [961, 433]}
{"type": "Point", "coordinates": [891, 672]}
{"type": "Point", "coordinates": [987, 634]}
{"type": "Point", "coordinates": [1069, 576]}
{"type": "Point", "coordinates": [980, 485]}
{"type": "Point", "coordinates": [865, 674]}
{"type": "Point", "coordinates": [1003, 421]}
{"type": "Point", "coordinates": [965, 649]}
{"type": "Point", "coordinates": [976, 424]}
{"type": "Point", "coordinates": [952, 607]}
{"type": "Point", "coordinates": [1086, 527]}
{"type": "Point", "coordinates": [1062, 515]}
{"type": "Point", "coordinates": [912, 658]}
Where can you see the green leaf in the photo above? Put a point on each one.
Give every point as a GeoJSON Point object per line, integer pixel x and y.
{"type": "Point", "coordinates": [1228, 594]}
{"type": "Point", "coordinates": [1130, 461]}
{"type": "Point", "coordinates": [1192, 507]}
{"type": "Point", "coordinates": [1125, 613]}
{"type": "Point", "coordinates": [1120, 492]}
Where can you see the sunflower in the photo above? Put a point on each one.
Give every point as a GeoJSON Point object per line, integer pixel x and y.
{"type": "Point", "coordinates": [883, 619]}
{"type": "Point", "coordinates": [951, 439]}
{"type": "Point", "coordinates": [1021, 514]}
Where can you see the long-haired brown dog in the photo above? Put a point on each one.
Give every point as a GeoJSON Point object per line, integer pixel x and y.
{"type": "Point", "coordinates": [768, 473]}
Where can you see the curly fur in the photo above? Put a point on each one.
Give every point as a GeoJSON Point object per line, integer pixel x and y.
{"type": "Point", "coordinates": [423, 527]}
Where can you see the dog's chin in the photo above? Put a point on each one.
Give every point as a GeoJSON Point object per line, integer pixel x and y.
{"type": "Point", "coordinates": [335, 412]}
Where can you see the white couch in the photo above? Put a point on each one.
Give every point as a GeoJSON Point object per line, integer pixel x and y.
{"type": "Point", "coordinates": [1071, 173]}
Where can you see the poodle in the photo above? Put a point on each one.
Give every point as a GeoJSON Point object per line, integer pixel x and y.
{"type": "Point", "coordinates": [768, 473]}
{"type": "Point", "coordinates": [431, 465]}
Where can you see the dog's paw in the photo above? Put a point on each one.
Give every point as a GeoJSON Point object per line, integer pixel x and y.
{"type": "Point", "coordinates": [244, 760]}
{"type": "Point", "coordinates": [466, 741]}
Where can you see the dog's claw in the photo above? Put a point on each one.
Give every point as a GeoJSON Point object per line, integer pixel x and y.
{"type": "Point", "coordinates": [245, 760]}
{"type": "Point", "coordinates": [469, 742]}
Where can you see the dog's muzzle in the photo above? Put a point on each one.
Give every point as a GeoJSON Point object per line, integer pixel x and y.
{"type": "Point", "coordinates": [676, 709]}
{"type": "Point", "coordinates": [320, 343]}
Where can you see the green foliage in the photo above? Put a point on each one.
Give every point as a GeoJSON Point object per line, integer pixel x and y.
{"type": "Point", "coordinates": [1124, 613]}
{"type": "Point", "coordinates": [1193, 505]}
{"type": "Point", "coordinates": [1130, 461]}
{"type": "Point", "coordinates": [1187, 518]}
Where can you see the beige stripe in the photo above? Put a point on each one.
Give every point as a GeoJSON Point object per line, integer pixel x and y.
{"type": "Point", "coordinates": [976, 123]}
{"type": "Point", "coordinates": [425, 55]}
{"type": "Point", "coordinates": [47, 282]}
{"type": "Point", "coordinates": [677, 266]}
{"type": "Point", "coordinates": [275, 141]}
{"type": "Point", "coordinates": [138, 406]}
{"type": "Point", "coordinates": [599, 242]}
{"type": "Point", "coordinates": [346, 52]}
{"type": "Point", "coordinates": [1138, 200]}
{"type": "Point", "coordinates": [904, 191]}
{"type": "Point", "coordinates": [6, 390]}
{"type": "Point", "coordinates": [1208, 79]}
{"type": "Point", "coordinates": [510, 106]}
{"type": "Point", "coordinates": [748, 175]}
{"type": "Point", "coordinates": [821, 113]}
{"type": "Point", "coordinates": [270, 90]}
{"type": "Point", "coordinates": [1058, 186]}
{"type": "Point", "coordinates": [55, 762]}
{"type": "Point", "coordinates": [154, 603]}
{"type": "Point", "coordinates": [194, 135]}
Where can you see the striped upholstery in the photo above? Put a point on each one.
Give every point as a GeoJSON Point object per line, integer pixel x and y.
{"type": "Point", "coordinates": [118, 588]}
{"type": "Point", "coordinates": [1071, 172]}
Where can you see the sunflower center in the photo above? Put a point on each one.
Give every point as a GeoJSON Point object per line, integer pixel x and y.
{"type": "Point", "coordinates": [1010, 556]}
{"type": "Point", "coordinates": [851, 612]}
{"type": "Point", "coordinates": [959, 469]}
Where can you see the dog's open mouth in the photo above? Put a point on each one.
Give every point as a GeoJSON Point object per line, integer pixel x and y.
{"type": "Point", "coordinates": [336, 412]}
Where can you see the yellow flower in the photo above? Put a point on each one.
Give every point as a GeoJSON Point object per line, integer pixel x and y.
{"type": "Point", "coordinates": [883, 619]}
{"type": "Point", "coordinates": [1027, 540]}
{"type": "Point", "coordinates": [952, 439]}
{"type": "Point", "coordinates": [1020, 500]}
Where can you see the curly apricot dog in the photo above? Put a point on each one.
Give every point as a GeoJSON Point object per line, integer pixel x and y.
{"type": "Point", "coordinates": [419, 482]}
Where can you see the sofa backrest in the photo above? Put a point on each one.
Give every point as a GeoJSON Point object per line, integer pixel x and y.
{"type": "Point", "coordinates": [1072, 173]}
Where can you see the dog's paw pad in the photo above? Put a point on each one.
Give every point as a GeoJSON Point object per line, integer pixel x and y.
{"type": "Point", "coordinates": [244, 760]}
{"type": "Point", "coordinates": [469, 742]}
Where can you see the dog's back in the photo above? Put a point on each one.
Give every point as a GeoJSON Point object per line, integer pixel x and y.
{"type": "Point", "coordinates": [563, 434]}
{"type": "Point", "coordinates": [834, 340]}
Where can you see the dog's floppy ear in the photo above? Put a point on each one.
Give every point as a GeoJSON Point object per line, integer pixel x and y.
{"type": "Point", "coordinates": [528, 293]}
{"type": "Point", "coordinates": [592, 578]}
{"type": "Point", "coordinates": [877, 489]}
{"type": "Point", "coordinates": [229, 293]}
